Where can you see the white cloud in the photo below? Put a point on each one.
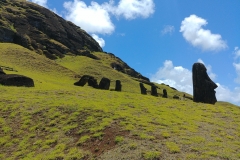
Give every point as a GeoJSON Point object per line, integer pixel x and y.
{"type": "Point", "coordinates": [177, 77]}
{"type": "Point", "coordinates": [131, 9]}
{"type": "Point", "coordinates": [237, 52]}
{"type": "Point", "coordinates": [237, 68]}
{"type": "Point", "coordinates": [237, 65]}
{"type": "Point", "coordinates": [193, 32]}
{"type": "Point", "coordinates": [181, 79]}
{"type": "Point", "coordinates": [93, 18]}
{"type": "Point", "coordinates": [223, 93]}
{"type": "Point", "coordinates": [100, 41]}
{"type": "Point", "coordinates": [168, 29]}
{"type": "Point", "coordinates": [209, 70]}
{"type": "Point", "coordinates": [40, 2]}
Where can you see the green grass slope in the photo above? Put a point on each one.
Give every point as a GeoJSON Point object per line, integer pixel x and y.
{"type": "Point", "coordinates": [57, 120]}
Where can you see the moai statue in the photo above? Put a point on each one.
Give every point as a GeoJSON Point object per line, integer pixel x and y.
{"type": "Point", "coordinates": [118, 86]}
{"type": "Point", "coordinates": [104, 83]}
{"type": "Point", "coordinates": [203, 86]}
{"type": "Point", "coordinates": [154, 90]}
{"type": "Point", "coordinates": [165, 93]}
{"type": "Point", "coordinates": [143, 89]}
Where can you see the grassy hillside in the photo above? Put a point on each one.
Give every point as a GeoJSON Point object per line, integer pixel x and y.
{"type": "Point", "coordinates": [57, 120]}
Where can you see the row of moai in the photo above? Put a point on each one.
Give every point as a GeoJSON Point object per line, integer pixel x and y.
{"type": "Point", "coordinates": [153, 90]}
{"type": "Point", "coordinates": [104, 83]}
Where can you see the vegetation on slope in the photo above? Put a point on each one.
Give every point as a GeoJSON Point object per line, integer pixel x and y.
{"type": "Point", "coordinates": [57, 120]}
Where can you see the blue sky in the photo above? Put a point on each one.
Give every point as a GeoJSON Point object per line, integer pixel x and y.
{"type": "Point", "coordinates": [162, 39]}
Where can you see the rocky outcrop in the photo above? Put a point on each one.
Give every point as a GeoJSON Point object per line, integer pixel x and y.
{"type": "Point", "coordinates": [203, 86]}
{"type": "Point", "coordinates": [123, 67]}
{"type": "Point", "coordinates": [36, 28]}
{"type": "Point", "coordinates": [16, 80]}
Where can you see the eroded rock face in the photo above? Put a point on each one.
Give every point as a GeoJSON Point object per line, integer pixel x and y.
{"type": "Point", "coordinates": [143, 89]}
{"type": "Point", "coordinates": [203, 86]}
{"type": "Point", "coordinates": [39, 29]}
{"type": "Point", "coordinates": [104, 83]}
{"type": "Point", "coordinates": [16, 80]}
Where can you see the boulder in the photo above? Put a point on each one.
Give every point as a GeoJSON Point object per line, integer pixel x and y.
{"type": "Point", "coordinates": [203, 86]}
{"type": "Point", "coordinates": [16, 80]}
{"type": "Point", "coordinates": [104, 83]}
{"type": "Point", "coordinates": [154, 90]}
{"type": "Point", "coordinates": [118, 86]}
{"type": "Point", "coordinates": [143, 89]}
{"type": "Point", "coordinates": [165, 93]}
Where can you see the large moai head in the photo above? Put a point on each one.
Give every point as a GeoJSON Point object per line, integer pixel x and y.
{"type": "Point", "coordinates": [203, 86]}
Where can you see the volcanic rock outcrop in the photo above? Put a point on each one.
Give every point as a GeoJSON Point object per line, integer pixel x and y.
{"type": "Point", "coordinates": [203, 86]}
{"type": "Point", "coordinates": [39, 29]}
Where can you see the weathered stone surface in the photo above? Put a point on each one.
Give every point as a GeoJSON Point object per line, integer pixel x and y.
{"type": "Point", "coordinates": [1, 71]}
{"type": "Point", "coordinates": [203, 86]}
{"type": "Point", "coordinates": [104, 83]}
{"type": "Point", "coordinates": [92, 82]}
{"type": "Point", "coordinates": [143, 89]}
{"type": "Point", "coordinates": [154, 90]}
{"type": "Point", "coordinates": [165, 93]}
{"type": "Point", "coordinates": [118, 86]}
{"type": "Point", "coordinates": [39, 29]}
{"type": "Point", "coordinates": [16, 80]}
{"type": "Point", "coordinates": [83, 80]}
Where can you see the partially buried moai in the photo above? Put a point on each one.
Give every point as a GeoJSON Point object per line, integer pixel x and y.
{"type": "Point", "coordinates": [203, 86]}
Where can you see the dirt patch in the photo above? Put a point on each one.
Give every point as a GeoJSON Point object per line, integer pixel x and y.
{"type": "Point", "coordinates": [97, 146]}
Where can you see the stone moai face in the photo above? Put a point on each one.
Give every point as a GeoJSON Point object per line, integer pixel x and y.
{"type": "Point", "coordinates": [203, 86]}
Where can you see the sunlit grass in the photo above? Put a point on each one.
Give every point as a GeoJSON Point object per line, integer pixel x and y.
{"type": "Point", "coordinates": [55, 119]}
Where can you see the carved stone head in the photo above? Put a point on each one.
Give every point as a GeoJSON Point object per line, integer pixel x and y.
{"type": "Point", "coordinates": [203, 86]}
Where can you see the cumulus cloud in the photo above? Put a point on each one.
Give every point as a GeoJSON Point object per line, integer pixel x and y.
{"type": "Point", "coordinates": [193, 32]}
{"type": "Point", "coordinates": [181, 79]}
{"type": "Point", "coordinates": [168, 29]}
{"type": "Point", "coordinates": [100, 41]}
{"type": "Point", "coordinates": [131, 9]}
{"type": "Point", "coordinates": [223, 93]}
{"type": "Point", "coordinates": [236, 52]}
{"type": "Point", "coordinates": [236, 64]}
{"type": "Point", "coordinates": [175, 76]}
{"type": "Point", "coordinates": [209, 69]}
{"type": "Point", "coordinates": [40, 2]}
{"type": "Point", "coordinates": [93, 18]}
